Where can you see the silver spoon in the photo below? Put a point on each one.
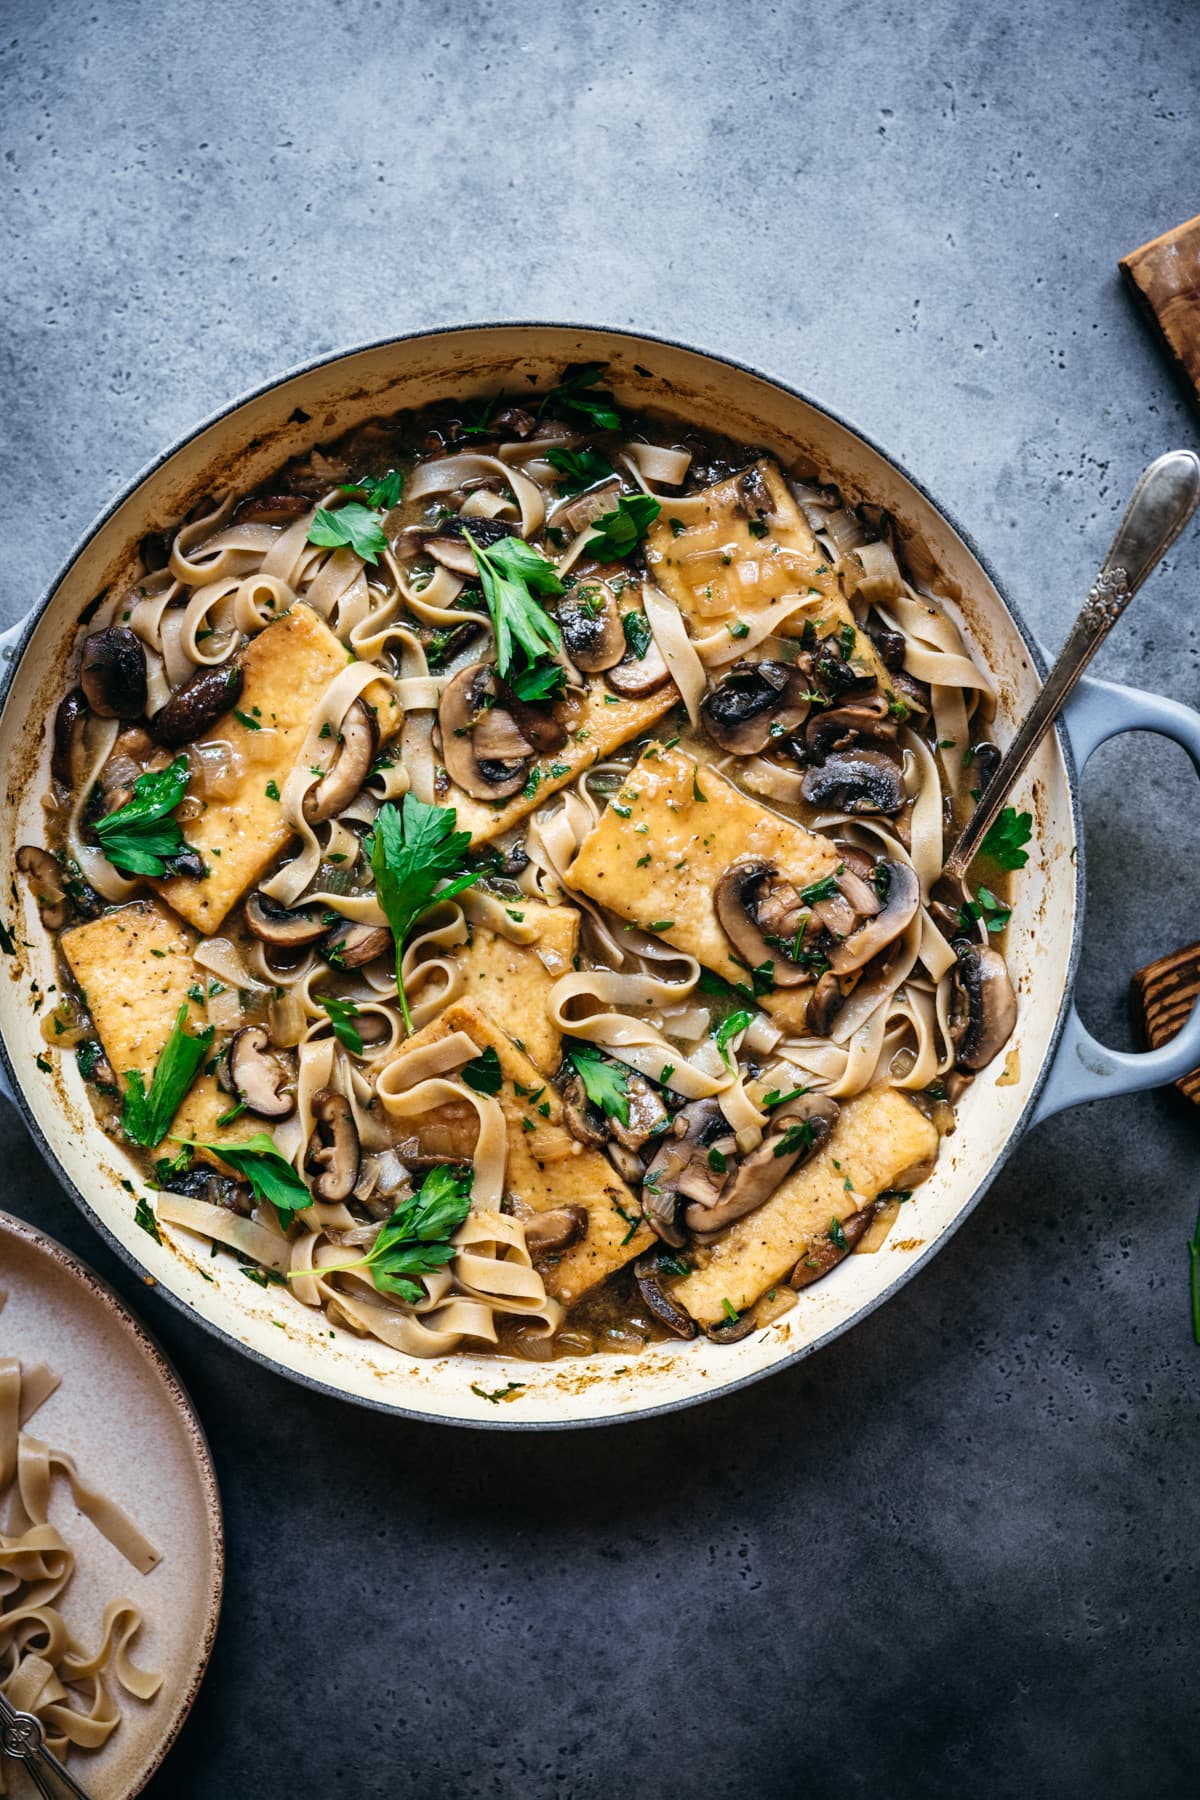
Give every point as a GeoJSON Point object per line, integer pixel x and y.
{"type": "Point", "coordinates": [23, 1737]}
{"type": "Point", "coordinates": [1160, 506]}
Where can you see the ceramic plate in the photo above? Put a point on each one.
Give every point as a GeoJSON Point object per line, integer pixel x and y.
{"type": "Point", "coordinates": [121, 1412]}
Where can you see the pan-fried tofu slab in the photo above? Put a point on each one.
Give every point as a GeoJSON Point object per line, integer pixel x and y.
{"type": "Point", "coordinates": [664, 842]}
{"type": "Point", "coordinates": [745, 549]}
{"type": "Point", "coordinates": [286, 669]}
{"type": "Point", "coordinates": [510, 982]}
{"type": "Point", "coordinates": [597, 722]}
{"type": "Point", "coordinates": [134, 967]}
{"type": "Point", "coordinates": [546, 1166]}
{"type": "Point", "coordinates": [879, 1136]}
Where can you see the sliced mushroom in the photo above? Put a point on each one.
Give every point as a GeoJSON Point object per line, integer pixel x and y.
{"type": "Point", "coordinates": [350, 946]}
{"type": "Point", "coordinates": [890, 644]}
{"type": "Point", "coordinates": [447, 544]}
{"type": "Point", "coordinates": [45, 880]}
{"type": "Point", "coordinates": [681, 1164]}
{"type": "Point", "coordinates": [837, 675]}
{"type": "Point", "coordinates": [983, 1007]}
{"type": "Point", "coordinates": [66, 759]}
{"type": "Point", "coordinates": [333, 1151]}
{"type": "Point", "coordinates": [469, 702]}
{"type": "Point", "coordinates": [636, 676]}
{"type": "Point", "coordinates": [730, 1331]}
{"type": "Point", "coordinates": [592, 633]}
{"type": "Point", "coordinates": [113, 673]}
{"type": "Point", "coordinates": [753, 901]}
{"type": "Point", "coordinates": [584, 1121]}
{"type": "Point", "coordinates": [627, 1163]}
{"type": "Point", "coordinates": [840, 727]}
{"type": "Point", "coordinates": [753, 704]}
{"type": "Point", "coordinates": [797, 1131]}
{"type": "Point", "coordinates": [856, 781]}
{"type": "Point", "coordinates": [648, 1117]}
{"type": "Point", "coordinates": [555, 1230]}
{"type": "Point", "coordinates": [824, 1253]}
{"type": "Point", "coordinates": [824, 1004]}
{"type": "Point", "coordinates": [273, 509]}
{"type": "Point", "coordinates": [196, 706]}
{"type": "Point", "coordinates": [203, 1182]}
{"type": "Point", "coordinates": [256, 1073]}
{"type": "Point", "coordinates": [646, 1273]}
{"type": "Point", "coordinates": [279, 925]}
{"type": "Point", "coordinates": [901, 901]}
{"type": "Point", "coordinates": [357, 743]}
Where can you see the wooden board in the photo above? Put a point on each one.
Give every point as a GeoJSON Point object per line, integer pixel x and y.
{"type": "Point", "coordinates": [1165, 276]}
{"type": "Point", "coordinates": [1161, 996]}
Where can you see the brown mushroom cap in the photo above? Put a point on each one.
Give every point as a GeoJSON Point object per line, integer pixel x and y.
{"type": "Point", "coordinates": [556, 1229]}
{"type": "Point", "coordinates": [333, 1150]}
{"type": "Point", "coordinates": [196, 706]}
{"type": "Point", "coordinates": [257, 1074]}
{"type": "Point", "coordinates": [66, 763]}
{"type": "Point", "coordinates": [824, 1004]}
{"type": "Point", "coordinates": [680, 1165]}
{"type": "Point", "coordinates": [731, 1331]}
{"type": "Point", "coordinates": [280, 925]}
{"type": "Point", "coordinates": [797, 1131]}
{"type": "Point", "coordinates": [856, 781]}
{"type": "Point", "coordinates": [113, 673]}
{"type": "Point", "coordinates": [592, 633]}
{"type": "Point", "coordinates": [884, 926]}
{"type": "Point", "coordinates": [743, 891]}
{"type": "Point", "coordinates": [635, 676]}
{"type": "Point", "coordinates": [646, 1273]}
{"type": "Point", "coordinates": [350, 946]}
{"type": "Point", "coordinates": [983, 1010]}
{"type": "Point", "coordinates": [357, 743]}
{"type": "Point", "coordinates": [754, 703]}
{"type": "Point", "coordinates": [495, 767]}
{"type": "Point", "coordinates": [45, 879]}
{"type": "Point", "coordinates": [840, 727]}
{"type": "Point", "coordinates": [824, 1254]}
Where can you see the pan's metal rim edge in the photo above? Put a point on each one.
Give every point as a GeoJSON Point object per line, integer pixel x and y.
{"type": "Point", "coordinates": [16, 651]}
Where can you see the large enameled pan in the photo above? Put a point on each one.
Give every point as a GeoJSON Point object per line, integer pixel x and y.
{"type": "Point", "coordinates": [1054, 1062]}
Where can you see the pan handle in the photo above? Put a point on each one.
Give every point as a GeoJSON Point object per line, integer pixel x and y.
{"type": "Point", "coordinates": [1083, 1068]}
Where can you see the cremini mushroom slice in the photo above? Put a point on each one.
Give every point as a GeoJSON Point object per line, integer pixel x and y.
{"type": "Point", "coordinates": [902, 898]}
{"type": "Point", "coordinates": [983, 1010]}
{"type": "Point", "coordinates": [681, 1166]}
{"type": "Point", "coordinates": [351, 946]}
{"type": "Point", "coordinates": [856, 781]}
{"type": "Point", "coordinates": [66, 757]}
{"type": "Point", "coordinates": [555, 1229]}
{"type": "Point", "coordinates": [754, 704]}
{"type": "Point", "coordinates": [257, 1074]}
{"type": "Point", "coordinates": [636, 676]}
{"type": "Point", "coordinates": [592, 633]}
{"type": "Point", "coordinates": [283, 927]}
{"type": "Point", "coordinates": [495, 767]}
{"type": "Point", "coordinates": [113, 673]}
{"type": "Point", "coordinates": [358, 740]}
{"type": "Point", "coordinates": [754, 903]}
{"type": "Point", "coordinates": [46, 883]}
{"type": "Point", "coordinates": [195, 707]}
{"type": "Point", "coordinates": [333, 1149]}
{"type": "Point", "coordinates": [828, 1250]}
{"type": "Point", "coordinates": [841, 727]}
{"type": "Point", "coordinates": [659, 1304]}
{"type": "Point", "coordinates": [797, 1130]}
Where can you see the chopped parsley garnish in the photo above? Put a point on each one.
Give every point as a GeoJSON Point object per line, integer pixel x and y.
{"type": "Point", "coordinates": [673, 1265]}
{"type": "Point", "coordinates": [512, 575]}
{"type": "Point", "coordinates": [728, 1029]}
{"type": "Point", "coordinates": [776, 1098]}
{"type": "Point", "coordinates": [1004, 841]}
{"type": "Point", "coordinates": [756, 528]}
{"type": "Point", "coordinates": [416, 1239]}
{"type": "Point", "coordinates": [606, 1084]}
{"type": "Point", "coordinates": [352, 527]}
{"type": "Point", "coordinates": [139, 838]}
{"type": "Point", "coordinates": [578, 391]}
{"type": "Point", "coordinates": [825, 889]}
{"type": "Point", "coordinates": [413, 848]}
{"type": "Point", "coordinates": [545, 681]}
{"type": "Point", "coordinates": [383, 494]}
{"type": "Point", "coordinates": [271, 1176]}
{"type": "Point", "coordinates": [618, 533]}
{"type": "Point", "coordinates": [143, 1215]}
{"type": "Point", "coordinates": [985, 906]}
{"type": "Point", "coordinates": [730, 1311]}
{"type": "Point", "coordinates": [496, 1395]}
{"type": "Point", "coordinates": [636, 627]}
{"type": "Point", "coordinates": [342, 1013]}
{"type": "Point", "coordinates": [580, 469]}
{"type": "Point", "coordinates": [483, 1072]}
{"type": "Point", "coordinates": [146, 1117]}
{"type": "Point", "coordinates": [836, 1233]}
{"type": "Point", "coordinates": [795, 1138]}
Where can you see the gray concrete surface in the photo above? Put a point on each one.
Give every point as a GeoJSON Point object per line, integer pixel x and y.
{"type": "Point", "coordinates": [956, 1554]}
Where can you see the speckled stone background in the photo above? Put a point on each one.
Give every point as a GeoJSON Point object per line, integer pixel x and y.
{"type": "Point", "coordinates": [956, 1554]}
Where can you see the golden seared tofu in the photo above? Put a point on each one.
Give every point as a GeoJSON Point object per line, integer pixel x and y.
{"type": "Point", "coordinates": [134, 969]}
{"type": "Point", "coordinates": [662, 845]}
{"type": "Point", "coordinates": [596, 722]}
{"type": "Point", "coordinates": [547, 1168]}
{"type": "Point", "coordinates": [286, 669]}
{"type": "Point", "coordinates": [511, 982]}
{"type": "Point", "coordinates": [879, 1137]}
{"type": "Point", "coordinates": [741, 549]}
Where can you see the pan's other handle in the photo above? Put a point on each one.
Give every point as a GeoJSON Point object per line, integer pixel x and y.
{"type": "Point", "coordinates": [1084, 1069]}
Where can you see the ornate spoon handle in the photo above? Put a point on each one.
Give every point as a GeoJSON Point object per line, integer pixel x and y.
{"type": "Point", "coordinates": [1160, 506]}
{"type": "Point", "coordinates": [23, 1738]}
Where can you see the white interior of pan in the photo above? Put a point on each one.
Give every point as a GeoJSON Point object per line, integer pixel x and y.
{"type": "Point", "coordinates": [243, 448]}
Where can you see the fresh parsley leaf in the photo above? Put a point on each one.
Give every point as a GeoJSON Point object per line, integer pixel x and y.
{"type": "Point", "coordinates": [573, 392]}
{"type": "Point", "coordinates": [270, 1175]}
{"type": "Point", "coordinates": [824, 889]}
{"type": "Point", "coordinates": [353, 526]}
{"type": "Point", "coordinates": [836, 1233]}
{"type": "Point", "coordinates": [673, 1265]}
{"type": "Point", "coordinates": [341, 1014]}
{"type": "Point", "coordinates": [512, 575]}
{"type": "Point", "coordinates": [483, 1072]}
{"type": "Point", "coordinates": [147, 1116]}
{"type": "Point", "coordinates": [777, 1098]}
{"type": "Point", "coordinates": [414, 847]}
{"type": "Point", "coordinates": [496, 1395]}
{"type": "Point", "coordinates": [416, 1239]}
{"type": "Point", "coordinates": [1004, 841]}
{"type": "Point", "coordinates": [381, 495]}
{"type": "Point", "coordinates": [138, 837]}
{"type": "Point", "coordinates": [143, 1215]}
{"type": "Point", "coordinates": [545, 681]}
{"type": "Point", "coordinates": [618, 533]}
{"type": "Point", "coordinates": [580, 469]}
{"type": "Point", "coordinates": [795, 1137]}
{"type": "Point", "coordinates": [605, 1084]}
{"type": "Point", "coordinates": [728, 1029]}
{"type": "Point", "coordinates": [636, 627]}
{"type": "Point", "coordinates": [985, 906]}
